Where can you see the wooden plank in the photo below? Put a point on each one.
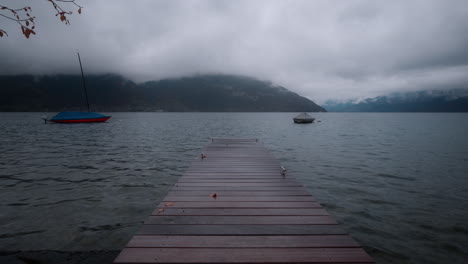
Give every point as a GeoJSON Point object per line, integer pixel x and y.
{"type": "Point", "coordinates": [241, 220]}
{"type": "Point", "coordinates": [240, 211]}
{"type": "Point", "coordinates": [237, 188]}
{"type": "Point", "coordinates": [235, 176]}
{"type": "Point", "coordinates": [222, 167]}
{"type": "Point", "coordinates": [238, 156]}
{"type": "Point", "coordinates": [223, 198]}
{"type": "Point", "coordinates": [276, 172]}
{"type": "Point", "coordinates": [238, 175]}
{"type": "Point", "coordinates": [240, 230]}
{"type": "Point", "coordinates": [237, 171]}
{"type": "Point", "coordinates": [240, 170]}
{"type": "Point", "coordinates": [230, 180]}
{"type": "Point", "coordinates": [309, 241]}
{"type": "Point", "coordinates": [213, 161]}
{"type": "Point", "coordinates": [228, 167]}
{"type": "Point", "coordinates": [240, 193]}
{"type": "Point", "coordinates": [237, 184]}
{"type": "Point", "coordinates": [225, 139]}
{"type": "Point", "coordinates": [243, 164]}
{"type": "Point", "coordinates": [243, 255]}
{"type": "Point", "coordinates": [221, 178]}
{"type": "Point", "coordinates": [276, 175]}
{"type": "Point", "coordinates": [220, 204]}
{"type": "Point", "coordinates": [257, 216]}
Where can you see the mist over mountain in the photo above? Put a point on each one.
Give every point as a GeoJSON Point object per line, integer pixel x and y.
{"type": "Point", "coordinates": [204, 93]}
{"type": "Point", "coordinates": [454, 100]}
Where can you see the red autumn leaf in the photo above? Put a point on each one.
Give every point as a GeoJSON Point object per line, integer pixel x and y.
{"type": "Point", "coordinates": [62, 17]}
{"type": "Point", "coordinates": [169, 204]}
{"type": "Point", "coordinates": [213, 195]}
{"type": "Point", "coordinates": [79, 11]}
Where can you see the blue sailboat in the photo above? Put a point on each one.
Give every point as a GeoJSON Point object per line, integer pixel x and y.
{"type": "Point", "coordinates": [79, 117]}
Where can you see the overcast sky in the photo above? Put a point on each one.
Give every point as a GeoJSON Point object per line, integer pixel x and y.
{"type": "Point", "coordinates": [319, 49]}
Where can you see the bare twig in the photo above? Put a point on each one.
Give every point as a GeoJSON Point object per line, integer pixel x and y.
{"type": "Point", "coordinates": [23, 17]}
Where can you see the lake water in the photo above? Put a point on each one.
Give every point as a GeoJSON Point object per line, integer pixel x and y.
{"type": "Point", "coordinates": [397, 182]}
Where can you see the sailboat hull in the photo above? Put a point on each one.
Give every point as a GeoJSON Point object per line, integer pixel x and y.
{"type": "Point", "coordinates": [78, 117]}
{"type": "Point", "coordinates": [88, 120]}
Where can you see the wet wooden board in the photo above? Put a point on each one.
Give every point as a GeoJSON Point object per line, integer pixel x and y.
{"type": "Point", "coordinates": [239, 183]}
{"type": "Point", "coordinates": [241, 220]}
{"type": "Point", "coordinates": [221, 204]}
{"type": "Point", "coordinates": [237, 174]}
{"type": "Point", "coordinates": [240, 193]}
{"type": "Point", "coordinates": [233, 177]}
{"type": "Point", "coordinates": [240, 198]}
{"type": "Point", "coordinates": [238, 188]}
{"type": "Point", "coordinates": [237, 230]}
{"type": "Point", "coordinates": [235, 206]}
{"type": "Point", "coordinates": [230, 180]}
{"type": "Point", "coordinates": [243, 255]}
{"type": "Point", "coordinates": [311, 241]}
{"type": "Point", "coordinates": [240, 211]}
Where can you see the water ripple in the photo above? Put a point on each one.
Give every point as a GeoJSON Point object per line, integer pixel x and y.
{"type": "Point", "coordinates": [397, 182]}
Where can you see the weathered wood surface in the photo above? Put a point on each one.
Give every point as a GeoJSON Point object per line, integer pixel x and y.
{"type": "Point", "coordinates": [235, 206]}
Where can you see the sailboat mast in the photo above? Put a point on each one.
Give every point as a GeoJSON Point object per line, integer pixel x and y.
{"type": "Point", "coordinates": [84, 83]}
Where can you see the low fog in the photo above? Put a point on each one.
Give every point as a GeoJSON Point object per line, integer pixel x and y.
{"type": "Point", "coordinates": [319, 49]}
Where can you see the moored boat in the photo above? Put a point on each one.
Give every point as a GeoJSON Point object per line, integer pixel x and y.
{"type": "Point", "coordinates": [78, 117]}
{"type": "Point", "coordinates": [303, 118]}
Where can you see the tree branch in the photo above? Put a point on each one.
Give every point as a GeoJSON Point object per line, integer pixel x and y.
{"type": "Point", "coordinates": [15, 19]}
{"type": "Point", "coordinates": [24, 19]}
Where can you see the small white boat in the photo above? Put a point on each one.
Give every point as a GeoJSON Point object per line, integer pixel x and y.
{"type": "Point", "coordinates": [303, 118]}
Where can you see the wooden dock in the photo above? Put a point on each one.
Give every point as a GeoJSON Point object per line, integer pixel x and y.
{"type": "Point", "coordinates": [236, 205]}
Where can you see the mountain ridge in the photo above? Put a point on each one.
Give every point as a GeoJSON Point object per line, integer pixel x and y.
{"type": "Point", "coordinates": [110, 92]}
{"type": "Point", "coordinates": [452, 100]}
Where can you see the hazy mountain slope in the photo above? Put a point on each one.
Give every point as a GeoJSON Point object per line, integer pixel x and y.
{"type": "Point", "coordinates": [225, 93]}
{"type": "Point", "coordinates": [114, 93]}
{"type": "Point", "coordinates": [455, 100]}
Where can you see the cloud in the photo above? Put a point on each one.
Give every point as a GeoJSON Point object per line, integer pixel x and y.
{"type": "Point", "coordinates": [320, 49]}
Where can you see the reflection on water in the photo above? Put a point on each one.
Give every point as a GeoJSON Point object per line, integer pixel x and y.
{"type": "Point", "coordinates": [397, 182]}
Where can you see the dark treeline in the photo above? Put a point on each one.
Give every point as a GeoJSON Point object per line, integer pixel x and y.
{"type": "Point", "coordinates": [203, 93]}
